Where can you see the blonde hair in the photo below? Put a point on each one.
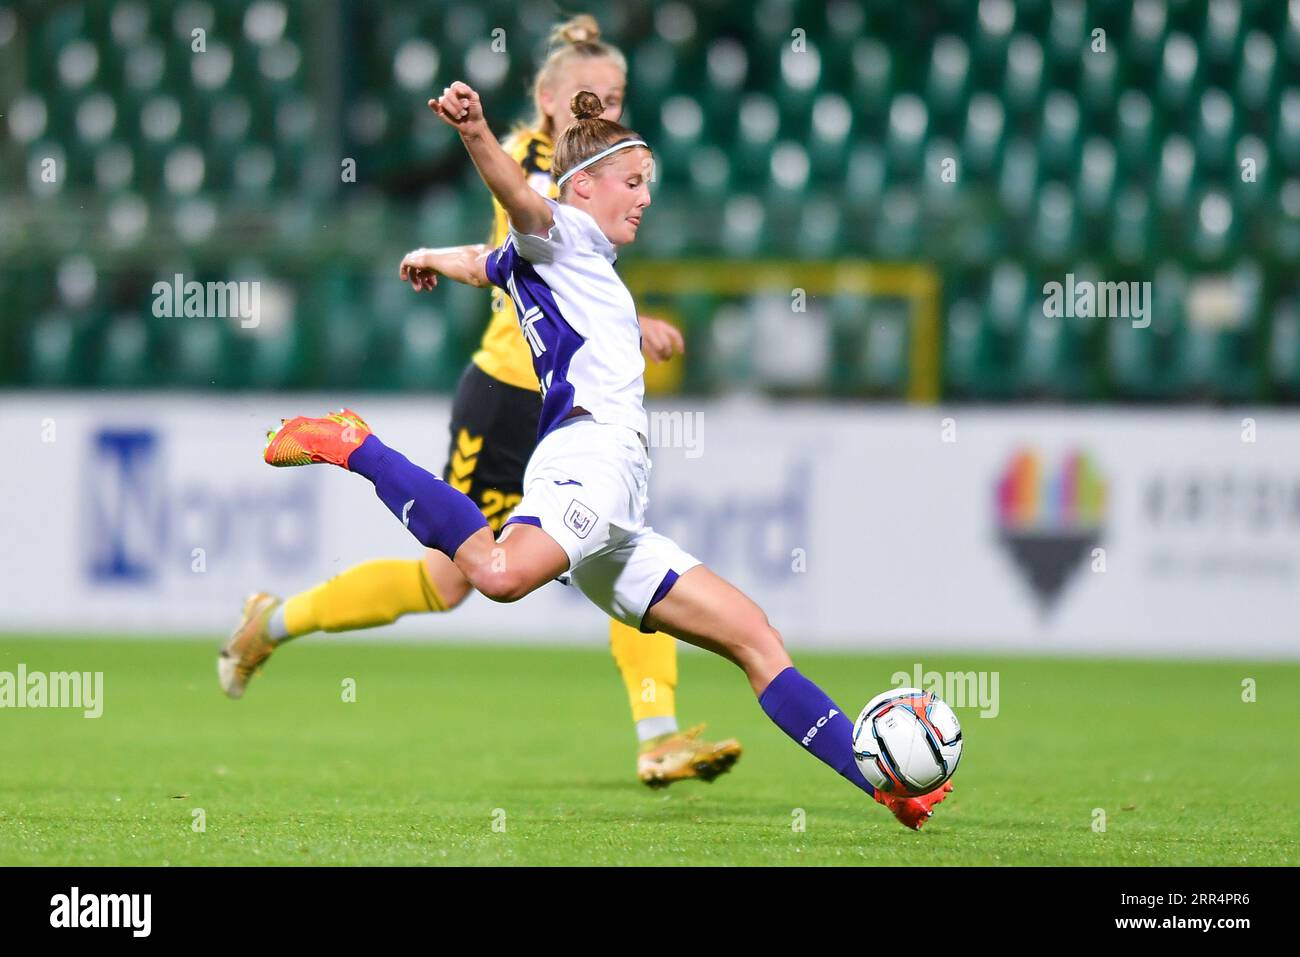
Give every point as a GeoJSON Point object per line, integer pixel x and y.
{"type": "Point", "coordinates": [576, 38]}
{"type": "Point", "coordinates": [587, 135]}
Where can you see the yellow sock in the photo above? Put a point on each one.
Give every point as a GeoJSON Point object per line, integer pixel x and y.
{"type": "Point", "coordinates": [649, 667]}
{"type": "Point", "coordinates": [372, 593]}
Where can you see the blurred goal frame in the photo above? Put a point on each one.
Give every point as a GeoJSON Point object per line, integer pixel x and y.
{"type": "Point", "coordinates": [916, 282]}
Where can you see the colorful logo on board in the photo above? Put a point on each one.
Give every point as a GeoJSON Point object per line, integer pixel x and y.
{"type": "Point", "coordinates": [1050, 518]}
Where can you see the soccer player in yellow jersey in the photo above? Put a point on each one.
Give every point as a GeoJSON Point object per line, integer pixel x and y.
{"type": "Point", "coordinates": [493, 432]}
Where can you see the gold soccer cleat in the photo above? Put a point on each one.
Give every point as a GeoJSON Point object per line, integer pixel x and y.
{"type": "Point", "coordinates": [681, 755]}
{"type": "Point", "coordinates": [249, 646]}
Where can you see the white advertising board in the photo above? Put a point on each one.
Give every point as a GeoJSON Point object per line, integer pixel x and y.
{"type": "Point", "coordinates": [1143, 532]}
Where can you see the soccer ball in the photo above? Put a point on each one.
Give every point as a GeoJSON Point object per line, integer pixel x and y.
{"type": "Point", "coordinates": [906, 741]}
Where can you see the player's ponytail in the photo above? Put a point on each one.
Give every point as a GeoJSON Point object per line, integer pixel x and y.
{"type": "Point", "coordinates": [587, 137]}
{"type": "Point", "coordinates": [577, 38]}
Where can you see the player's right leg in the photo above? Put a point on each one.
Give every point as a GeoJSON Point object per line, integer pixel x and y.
{"type": "Point", "coordinates": [492, 431]}
{"type": "Point", "coordinates": [706, 610]}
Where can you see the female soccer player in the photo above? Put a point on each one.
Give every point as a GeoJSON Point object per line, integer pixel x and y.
{"type": "Point", "coordinates": [493, 431]}
{"type": "Point", "coordinates": [582, 517]}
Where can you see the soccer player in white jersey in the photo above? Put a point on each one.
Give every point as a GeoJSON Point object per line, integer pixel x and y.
{"type": "Point", "coordinates": [582, 517]}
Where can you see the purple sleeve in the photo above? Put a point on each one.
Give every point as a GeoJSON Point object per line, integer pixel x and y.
{"type": "Point", "coordinates": [499, 263]}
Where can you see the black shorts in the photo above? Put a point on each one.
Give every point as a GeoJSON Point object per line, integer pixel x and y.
{"type": "Point", "coordinates": [493, 434]}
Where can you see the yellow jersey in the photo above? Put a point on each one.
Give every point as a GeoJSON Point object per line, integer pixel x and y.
{"type": "Point", "coordinates": [503, 354]}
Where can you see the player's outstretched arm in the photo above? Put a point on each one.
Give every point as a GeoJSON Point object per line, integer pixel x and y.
{"type": "Point", "coordinates": [459, 107]}
{"type": "Point", "coordinates": [464, 264]}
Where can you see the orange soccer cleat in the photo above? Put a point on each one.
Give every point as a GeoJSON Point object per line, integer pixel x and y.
{"type": "Point", "coordinates": [913, 811]}
{"type": "Point", "coordinates": [303, 440]}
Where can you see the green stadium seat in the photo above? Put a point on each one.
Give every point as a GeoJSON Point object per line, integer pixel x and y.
{"type": "Point", "coordinates": [759, 125]}
{"type": "Point", "coordinates": [1096, 184]}
{"type": "Point", "coordinates": [1221, 338]}
{"type": "Point", "coordinates": [1286, 227]}
{"type": "Point", "coordinates": [1215, 132]}
{"type": "Point", "coordinates": [1142, 361]}
{"type": "Point", "coordinates": [789, 169]}
{"type": "Point", "coordinates": [1176, 173]}
{"type": "Point", "coordinates": [1019, 177]}
{"type": "Point", "coordinates": [909, 122]}
{"type": "Point", "coordinates": [124, 353]}
{"type": "Point", "coordinates": [873, 78]}
{"type": "Point", "coordinates": [198, 353]}
{"type": "Point", "coordinates": [727, 65]}
{"type": "Point", "coordinates": [1221, 36]}
{"type": "Point", "coordinates": [1145, 39]}
{"type": "Point", "coordinates": [994, 22]}
{"type": "Point", "coordinates": [897, 235]}
{"type": "Point", "coordinates": [1284, 348]}
{"type": "Point", "coordinates": [1067, 32]}
{"type": "Point", "coordinates": [710, 174]}
{"type": "Point", "coordinates": [982, 140]}
{"type": "Point", "coordinates": [1023, 79]}
{"type": "Point", "coordinates": [55, 351]}
{"type": "Point", "coordinates": [821, 228]}
{"type": "Point", "coordinates": [421, 361]}
{"type": "Point", "coordinates": [1291, 34]}
{"type": "Point", "coordinates": [273, 361]}
{"type": "Point", "coordinates": [1058, 138]}
{"type": "Point", "coordinates": [1135, 131]}
{"type": "Point", "coordinates": [743, 225]}
{"type": "Point", "coordinates": [866, 174]}
{"type": "Point", "coordinates": [1131, 226]}
{"type": "Point", "coordinates": [796, 90]}
{"type": "Point", "coordinates": [1098, 82]}
{"type": "Point", "coordinates": [1288, 129]}
{"type": "Point", "coordinates": [963, 330]}
{"type": "Point", "coordinates": [682, 124]}
{"type": "Point", "coordinates": [1179, 70]}
{"type": "Point", "coordinates": [832, 127]}
{"type": "Point", "coordinates": [1217, 230]}
{"type": "Point", "coordinates": [883, 368]}
{"type": "Point", "coordinates": [947, 81]}
{"type": "Point", "coordinates": [1255, 76]}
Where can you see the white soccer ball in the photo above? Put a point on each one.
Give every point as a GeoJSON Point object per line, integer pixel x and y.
{"type": "Point", "coordinates": [906, 741]}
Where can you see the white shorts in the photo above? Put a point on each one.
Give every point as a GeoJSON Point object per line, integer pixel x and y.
{"type": "Point", "coordinates": [586, 486]}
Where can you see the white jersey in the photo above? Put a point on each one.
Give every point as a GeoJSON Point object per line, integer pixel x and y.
{"type": "Point", "coordinates": [578, 319]}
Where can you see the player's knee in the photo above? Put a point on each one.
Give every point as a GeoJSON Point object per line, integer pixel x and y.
{"type": "Point", "coordinates": [766, 637]}
{"type": "Point", "coordinates": [755, 636]}
{"type": "Point", "coordinates": [503, 585]}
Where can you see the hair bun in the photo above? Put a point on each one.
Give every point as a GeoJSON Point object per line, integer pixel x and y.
{"type": "Point", "coordinates": [586, 105]}
{"type": "Point", "coordinates": [581, 29]}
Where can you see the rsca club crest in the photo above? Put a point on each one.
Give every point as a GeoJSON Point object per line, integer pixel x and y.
{"type": "Point", "coordinates": [1050, 520]}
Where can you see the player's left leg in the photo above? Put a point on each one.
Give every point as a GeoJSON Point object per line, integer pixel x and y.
{"type": "Point", "coordinates": [666, 754]}
{"type": "Point", "coordinates": [704, 609]}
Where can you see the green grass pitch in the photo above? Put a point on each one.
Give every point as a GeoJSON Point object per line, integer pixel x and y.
{"type": "Point", "coordinates": [443, 741]}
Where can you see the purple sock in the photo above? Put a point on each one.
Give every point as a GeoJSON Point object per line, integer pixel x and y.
{"type": "Point", "coordinates": [802, 710]}
{"type": "Point", "coordinates": [435, 513]}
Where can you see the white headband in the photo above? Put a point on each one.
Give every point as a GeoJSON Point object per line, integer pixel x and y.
{"type": "Point", "coordinates": [599, 156]}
